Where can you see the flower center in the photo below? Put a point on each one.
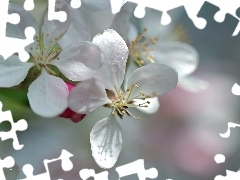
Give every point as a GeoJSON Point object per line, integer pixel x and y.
{"type": "Point", "coordinates": [45, 54]}
{"type": "Point", "coordinates": [123, 101]}
{"type": "Point", "coordinates": [141, 47]}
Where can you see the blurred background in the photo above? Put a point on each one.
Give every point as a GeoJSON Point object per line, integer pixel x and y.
{"type": "Point", "coordinates": [180, 140]}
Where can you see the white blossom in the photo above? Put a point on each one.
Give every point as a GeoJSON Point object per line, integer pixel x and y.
{"type": "Point", "coordinates": [48, 94]}
{"type": "Point", "coordinates": [105, 89]}
{"type": "Point", "coordinates": [151, 42]}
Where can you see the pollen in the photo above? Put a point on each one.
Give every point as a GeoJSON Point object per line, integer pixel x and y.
{"type": "Point", "coordinates": [45, 54]}
{"type": "Point", "coordinates": [141, 48]}
{"type": "Point", "coordinates": [122, 101]}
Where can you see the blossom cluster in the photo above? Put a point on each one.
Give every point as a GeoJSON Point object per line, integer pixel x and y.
{"type": "Point", "coordinates": [128, 65]}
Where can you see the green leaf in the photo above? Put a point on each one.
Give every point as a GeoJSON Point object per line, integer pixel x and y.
{"type": "Point", "coordinates": [16, 101]}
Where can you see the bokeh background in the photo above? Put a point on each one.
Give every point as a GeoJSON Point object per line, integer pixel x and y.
{"type": "Point", "coordinates": [180, 140]}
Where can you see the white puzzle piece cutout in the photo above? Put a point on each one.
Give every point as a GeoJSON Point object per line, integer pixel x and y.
{"type": "Point", "coordinates": [20, 125]}
{"type": "Point", "coordinates": [67, 165]}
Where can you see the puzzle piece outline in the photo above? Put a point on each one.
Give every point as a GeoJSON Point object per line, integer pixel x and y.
{"type": "Point", "coordinates": [66, 164]}
{"type": "Point", "coordinates": [6, 162]}
{"type": "Point", "coordinates": [6, 43]}
{"type": "Point", "coordinates": [192, 8]}
{"type": "Point", "coordinates": [20, 125]}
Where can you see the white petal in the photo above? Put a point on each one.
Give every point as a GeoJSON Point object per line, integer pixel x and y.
{"type": "Point", "coordinates": [193, 84]}
{"type": "Point", "coordinates": [115, 53]}
{"type": "Point", "coordinates": [53, 30]}
{"type": "Point", "coordinates": [131, 67]}
{"type": "Point", "coordinates": [98, 21]}
{"type": "Point", "coordinates": [26, 20]}
{"type": "Point", "coordinates": [79, 61]}
{"type": "Point", "coordinates": [87, 96]}
{"type": "Point", "coordinates": [181, 56]}
{"type": "Point", "coordinates": [79, 29]}
{"type": "Point", "coordinates": [153, 80]}
{"type": "Point", "coordinates": [152, 107]}
{"type": "Point", "coordinates": [106, 141]}
{"type": "Point", "coordinates": [94, 5]}
{"type": "Point", "coordinates": [236, 89]}
{"type": "Point", "coordinates": [13, 71]}
{"type": "Point", "coordinates": [122, 20]}
{"type": "Point", "coordinates": [48, 95]}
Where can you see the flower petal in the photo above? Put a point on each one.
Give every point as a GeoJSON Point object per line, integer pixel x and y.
{"type": "Point", "coordinates": [131, 67]}
{"type": "Point", "coordinates": [98, 21]}
{"type": "Point", "coordinates": [115, 53]}
{"type": "Point", "coordinates": [152, 107]}
{"type": "Point", "coordinates": [87, 96]}
{"type": "Point", "coordinates": [181, 56]}
{"type": "Point", "coordinates": [68, 113]}
{"type": "Point", "coordinates": [153, 80]}
{"type": "Point", "coordinates": [106, 141]}
{"type": "Point", "coordinates": [53, 30]}
{"type": "Point", "coordinates": [13, 71]}
{"type": "Point", "coordinates": [193, 84]}
{"type": "Point", "coordinates": [48, 95]}
{"type": "Point", "coordinates": [94, 5]}
{"type": "Point", "coordinates": [26, 20]}
{"type": "Point", "coordinates": [79, 61]}
{"type": "Point", "coordinates": [79, 29]}
{"type": "Point", "coordinates": [121, 22]}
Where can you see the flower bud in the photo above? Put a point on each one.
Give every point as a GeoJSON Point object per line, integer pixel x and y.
{"type": "Point", "coordinates": [68, 113]}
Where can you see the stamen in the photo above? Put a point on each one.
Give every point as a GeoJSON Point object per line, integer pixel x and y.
{"type": "Point", "coordinates": [130, 114]}
{"type": "Point", "coordinates": [141, 48]}
{"type": "Point", "coordinates": [118, 94]}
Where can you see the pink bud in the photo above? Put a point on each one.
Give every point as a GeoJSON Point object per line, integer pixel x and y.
{"type": "Point", "coordinates": [68, 113]}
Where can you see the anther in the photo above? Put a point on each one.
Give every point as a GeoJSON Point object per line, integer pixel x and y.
{"type": "Point", "coordinates": [141, 62]}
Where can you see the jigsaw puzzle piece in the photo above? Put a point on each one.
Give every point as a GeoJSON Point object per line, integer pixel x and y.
{"type": "Point", "coordinates": [210, 10]}
{"type": "Point", "coordinates": [137, 167]}
{"type": "Point", "coordinates": [20, 125]}
{"type": "Point", "coordinates": [8, 169]}
{"type": "Point", "coordinates": [26, 20]}
{"type": "Point", "coordinates": [6, 42]}
{"type": "Point", "coordinates": [54, 13]}
{"type": "Point", "coordinates": [230, 175]}
{"type": "Point", "coordinates": [28, 5]}
{"type": "Point", "coordinates": [75, 4]}
{"type": "Point", "coordinates": [225, 8]}
{"type": "Point", "coordinates": [67, 165]}
{"type": "Point", "coordinates": [191, 7]}
{"type": "Point", "coordinates": [28, 171]}
{"type": "Point", "coordinates": [87, 173]}
{"type": "Point", "coordinates": [5, 17]}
